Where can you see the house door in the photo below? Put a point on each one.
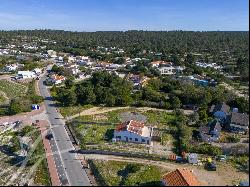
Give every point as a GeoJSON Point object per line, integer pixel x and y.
{"type": "Point", "coordinates": [126, 139]}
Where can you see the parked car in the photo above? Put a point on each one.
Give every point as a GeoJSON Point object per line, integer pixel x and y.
{"type": "Point", "coordinates": [211, 166]}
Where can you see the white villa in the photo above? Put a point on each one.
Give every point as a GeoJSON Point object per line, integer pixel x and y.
{"type": "Point", "coordinates": [169, 70]}
{"type": "Point", "coordinates": [136, 132]}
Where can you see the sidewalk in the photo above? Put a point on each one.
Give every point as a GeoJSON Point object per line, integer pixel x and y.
{"type": "Point", "coordinates": [43, 126]}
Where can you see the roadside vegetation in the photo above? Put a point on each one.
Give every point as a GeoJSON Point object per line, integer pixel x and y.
{"type": "Point", "coordinates": [10, 143]}
{"type": "Point", "coordinates": [21, 97]}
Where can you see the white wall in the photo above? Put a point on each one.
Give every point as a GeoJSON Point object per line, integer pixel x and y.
{"type": "Point", "coordinates": [128, 134]}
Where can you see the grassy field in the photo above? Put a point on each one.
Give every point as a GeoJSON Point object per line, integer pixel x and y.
{"type": "Point", "coordinates": [97, 131]}
{"type": "Point", "coordinates": [115, 173]}
{"type": "Point", "coordinates": [12, 90]}
{"type": "Point", "coordinates": [95, 134]}
{"type": "Point", "coordinates": [2, 99]}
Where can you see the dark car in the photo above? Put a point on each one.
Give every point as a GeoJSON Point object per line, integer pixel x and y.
{"type": "Point", "coordinates": [211, 166]}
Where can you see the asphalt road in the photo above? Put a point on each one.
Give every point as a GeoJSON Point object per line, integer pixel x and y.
{"type": "Point", "coordinates": [69, 169]}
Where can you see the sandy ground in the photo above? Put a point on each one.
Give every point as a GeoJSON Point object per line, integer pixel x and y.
{"type": "Point", "coordinates": [101, 110]}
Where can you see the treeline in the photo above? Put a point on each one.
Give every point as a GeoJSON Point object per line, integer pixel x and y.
{"type": "Point", "coordinates": [163, 92]}
{"type": "Point", "coordinates": [102, 88]}
{"type": "Point", "coordinates": [179, 42]}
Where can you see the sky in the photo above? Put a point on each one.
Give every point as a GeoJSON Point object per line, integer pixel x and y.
{"type": "Point", "coordinates": [122, 15]}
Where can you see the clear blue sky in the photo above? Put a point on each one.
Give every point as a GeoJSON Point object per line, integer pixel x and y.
{"type": "Point", "coordinates": [93, 15]}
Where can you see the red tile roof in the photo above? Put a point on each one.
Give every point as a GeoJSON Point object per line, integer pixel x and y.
{"type": "Point", "coordinates": [136, 127]}
{"type": "Point", "coordinates": [181, 177]}
{"type": "Point", "coordinates": [58, 77]}
{"type": "Point", "coordinates": [122, 126]}
{"type": "Point", "coordinates": [132, 126]}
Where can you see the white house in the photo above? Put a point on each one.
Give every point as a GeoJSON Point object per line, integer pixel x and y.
{"type": "Point", "coordinates": [74, 69]}
{"type": "Point", "coordinates": [37, 71]}
{"type": "Point", "coordinates": [11, 67]}
{"type": "Point", "coordinates": [179, 68]}
{"type": "Point", "coordinates": [52, 53]}
{"type": "Point", "coordinates": [26, 74]}
{"type": "Point", "coordinates": [71, 59]}
{"type": "Point", "coordinates": [158, 63]}
{"type": "Point", "coordinates": [133, 131]}
{"type": "Point", "coordinates": [169, 70]}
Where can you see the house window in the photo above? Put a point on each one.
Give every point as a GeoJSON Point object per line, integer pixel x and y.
{"type": "Point", "coordinates": [136, 139]}
{"type": "Point", "coordinates": [143, 140]}
{"type": "Point", "coordinates": [118, 137]}
{"type": "Point", "coordinates": [130, 139]}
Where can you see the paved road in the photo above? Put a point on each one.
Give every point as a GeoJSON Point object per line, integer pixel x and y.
{"type": "Point", "coordinates": [68, 167]}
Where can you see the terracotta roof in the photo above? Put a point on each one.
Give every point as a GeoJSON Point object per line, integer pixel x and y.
{"type": "Point", "coordinates": [181, 177]}
{"type": "Point", "coordinates": [58, 77]}
{"type": "Point", "coordinates": [135, 126]}
{"type": "Point", "coordinates": [122, 126]}
{"type": "Point", "coordinates": [132, 126]}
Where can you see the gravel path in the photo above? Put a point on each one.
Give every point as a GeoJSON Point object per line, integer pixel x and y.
{"type": "Point", "coordinates": [100, 110]}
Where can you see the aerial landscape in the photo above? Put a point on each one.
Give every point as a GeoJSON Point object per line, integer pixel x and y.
{"type": "Point", "coordinates": [124, 93]}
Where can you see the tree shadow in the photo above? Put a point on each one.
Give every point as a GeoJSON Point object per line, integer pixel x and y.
{"type": "Point", "coordinates": [16, 160]}
{"type": "Point", "coordinates": [124, 173]}
{"type": "Point", "coordinates": [109, 134]}
{"type": "Point", "coordinates": [49, 98]}
{"type": "Point", "coordinates": [6, 149]}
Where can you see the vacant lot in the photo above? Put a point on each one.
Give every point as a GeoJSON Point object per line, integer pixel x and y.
{"type": "Point", "coordinates": [11, 89]}
{"type": "Point", "coordinates": [97, 130]}
{"type": "Point", "coordinates": [114, 173]}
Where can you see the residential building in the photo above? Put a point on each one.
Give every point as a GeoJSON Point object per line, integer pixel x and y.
{"type": "Point", "coordinates": [238, 122]}
{"type": "Point", "coordinates": [220, 110]}
{"type": "Point", "coordinates": [11, 67]}
{"type": "Point", "coordinates": [74, 69]}
{"type": "Point", "coordinates": [37, 71]}
{"type": "Point", "coordinates": [52, 53]}
{"type": "Point", "coordinates": [160, 63]}
{"type": "Point", "coordinates": [137, 79]}
{"type": "Point", "coordinates": [57, 79]}
{"type": "Point", "coordinates": [133, 131]}
{"type": "Point", "coordinates": [168, 70]}
{"type": "Point", "coordinates": [210, 132]}
{"type": "Point", "coordinates": [25, 74]}
{"type": "Point", "coordinates": [180, 177]}
{"type": "Point", "coordinates": [71, 59]}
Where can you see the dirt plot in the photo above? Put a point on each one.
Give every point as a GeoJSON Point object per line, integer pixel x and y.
{"type": "Point", "coordinates": [225, 174]}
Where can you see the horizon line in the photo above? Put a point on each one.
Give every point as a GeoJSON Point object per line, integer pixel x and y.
{"type": "Point", "coordinates": [180, 30]}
